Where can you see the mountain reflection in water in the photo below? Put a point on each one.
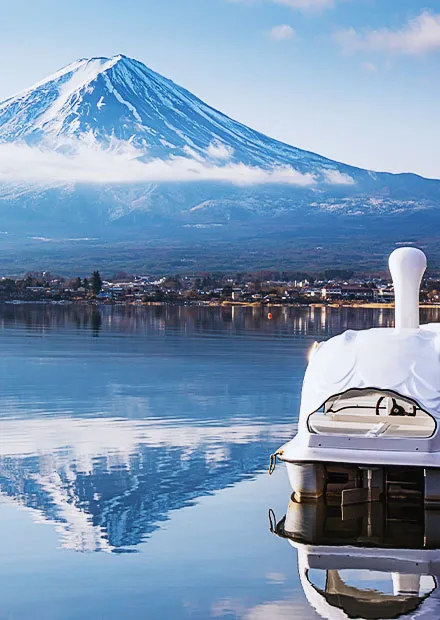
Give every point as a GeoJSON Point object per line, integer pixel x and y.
{"type": "Point", "coordinates": [108, 483]}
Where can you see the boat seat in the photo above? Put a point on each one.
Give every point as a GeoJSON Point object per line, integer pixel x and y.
{"type": "Point", "coordinates": [372, 425]}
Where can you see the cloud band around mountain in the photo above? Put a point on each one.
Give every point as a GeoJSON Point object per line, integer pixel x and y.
{"type": "Point", "coordinates": [86, 163]}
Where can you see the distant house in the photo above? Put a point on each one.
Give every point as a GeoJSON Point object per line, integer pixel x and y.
{"type": "Point", "coordinates": [356, 291]}
{"type": "Point", "coordinates": [347, 291]}
{"type": "Point", "coordinates": [290, 295]}
{"type": "Point", "coordinates": [313, 291]}
{"type": "Point", "coordinates": [331, 292]}
{"type": "Point", "coordinates": [116, 291]}
{"type": "Point", "coordinates": [385, 294]}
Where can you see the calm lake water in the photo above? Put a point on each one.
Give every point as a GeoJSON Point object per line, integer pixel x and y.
{"type": "Point", "coordinates": [134, 446]}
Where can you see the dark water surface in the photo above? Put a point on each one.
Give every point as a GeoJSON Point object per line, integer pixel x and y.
{"type": "Point", "coordinates": [134, 444]}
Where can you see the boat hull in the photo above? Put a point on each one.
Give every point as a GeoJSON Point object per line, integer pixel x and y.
{"type": "Point", "coordinates": [354, 481]}
{"type": "Point", "coordinates": [315, 449]}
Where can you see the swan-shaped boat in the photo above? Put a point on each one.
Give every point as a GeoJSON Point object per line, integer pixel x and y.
{"type": "Point", "coordinates": [371, 400]}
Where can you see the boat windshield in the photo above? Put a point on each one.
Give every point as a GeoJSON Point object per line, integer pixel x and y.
{"type": "Point", "coordinates": [372, 413]}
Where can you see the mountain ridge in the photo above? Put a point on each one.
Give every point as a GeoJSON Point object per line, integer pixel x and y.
{"type": "Point", "coordinates": [108, 148]}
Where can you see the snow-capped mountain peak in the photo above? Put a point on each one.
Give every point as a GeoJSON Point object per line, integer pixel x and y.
{"type": "Point", "coordinates": [53, 105]}
{"type": "Point", "coordinates": [121, 98]}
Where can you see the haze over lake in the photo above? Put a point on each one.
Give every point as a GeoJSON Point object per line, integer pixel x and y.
{"type": "Point", "coordinates": [134, 445]}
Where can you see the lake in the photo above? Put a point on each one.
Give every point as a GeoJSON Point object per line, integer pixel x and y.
{"type": "Point", "coordinates": [134, 445]}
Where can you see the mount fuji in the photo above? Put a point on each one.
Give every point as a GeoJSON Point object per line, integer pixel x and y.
{"type": "Point", "coordinates": [113, 156]}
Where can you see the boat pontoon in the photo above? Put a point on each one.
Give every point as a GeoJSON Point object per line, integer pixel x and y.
{"type": "Point", "coordinates": [371, 401]}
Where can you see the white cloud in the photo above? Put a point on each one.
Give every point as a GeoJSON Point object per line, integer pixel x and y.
{"type": "Point", "coordinates": [306, 6]}
{"type": "Point", "coordinates": [218, 150]}
{"type": "Point", "coordinates": [369, 67]}
{"type": "Point", "coordinates": [334, 177]}
{"type": "Point", "coordinates": [419, 36]}
{"type": "Point", "coordinates": [281, 33]}
{"type": "Point", "coordinates": [192, 153]}
{"type": "Point", "coordinates": [91, 164]}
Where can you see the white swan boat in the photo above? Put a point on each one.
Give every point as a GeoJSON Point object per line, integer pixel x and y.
{"type": "Point", "coordinates": [371, 401]}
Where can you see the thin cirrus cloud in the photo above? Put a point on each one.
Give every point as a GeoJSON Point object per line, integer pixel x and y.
{"type": "Point", "coordinates": [418, 36]}
{"type": "Point", "coordinates": [305, 6]}
{"type": "Point", "coordinates": [281, 33]}
{"type": "Point", "coordinates": [369, 67]}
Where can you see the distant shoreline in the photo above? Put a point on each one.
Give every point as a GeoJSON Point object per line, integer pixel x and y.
{"type": "Point", "coordinates": [94, 303]}
{"type": "Point", "coordinates": [353, 304]}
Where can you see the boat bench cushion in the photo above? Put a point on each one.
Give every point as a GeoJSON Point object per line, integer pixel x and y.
{"type": "Point", "coordinates": [372, 425]}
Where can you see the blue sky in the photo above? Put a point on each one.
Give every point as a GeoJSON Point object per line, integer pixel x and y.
{"type": "Point", "coordinates": [355, 80]}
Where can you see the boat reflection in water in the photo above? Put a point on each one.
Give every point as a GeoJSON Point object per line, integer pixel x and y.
{"type": "Point", "coordinates": [374, 560]}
